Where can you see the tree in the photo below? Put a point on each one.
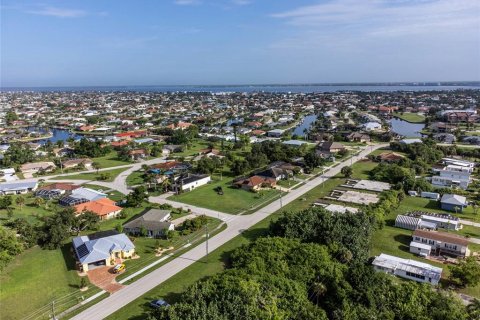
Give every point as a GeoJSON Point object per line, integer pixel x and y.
{"type": "Point", "coordinates": [10, 117]}
{"type": "Point", "coordinates": [135, 198]}
{"type": "Point", "coordinates": [312, 160]}
{"type": "Point", "coordinates": [466, 273]}
{"type": "Point", "coordinates": [20, 200]}
{"type": "Point", "coordinates": [96, 166]}
{"type": "Point", "coordinates": [239, 167]}
{"type": "Point", "coordinates": [347, 171]}
{"type": "Point", "coordinates": [5, 202]}
{"type": "Point", "coordinates": [9, 246]}
{"type": "Point", "coordinates": [38, 201]}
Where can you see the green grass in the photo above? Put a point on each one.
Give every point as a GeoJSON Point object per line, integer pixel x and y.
{"type": "Point", "coordinates": [410, 117]}
{"type": "Point", "coordinates": [29, 211]}
{"type": "Point", "coordinates": [135, 178]}
{"type": "Point", "coordinates": [110, 160]}
{"type": "Point", "coordinates": [94, 176]}
{"type": "Point", "coordinates": [361, 169]}
{"type": "Point", "coordinates": [233, 200]}
{"type": "Point", "coordinates": [35, 278]}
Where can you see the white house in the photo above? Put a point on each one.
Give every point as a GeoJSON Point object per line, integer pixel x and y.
{"type": "Point", "coordinates": [371, 126]}
{"type": "Point", "coordinates": [17, 187]}
{"type": "Point", "coordinates": [453, 176]}
{"type": "Point", "coordinates": [193, 181]}
{"type": "Point", "coordinates": [407, 268]}
{"type": "Point", "coordinates": [441, 243]}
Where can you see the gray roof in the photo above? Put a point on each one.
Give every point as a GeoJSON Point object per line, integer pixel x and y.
{"type": "Point", "coordinates": [454, 199]}
{"type": "Point", "coordinates": [89, 251]}
{"type": "Point", "coordinates": [89, 194]}
{"type": "Point", "coordinates": [154, 220]}
{"type": "Point", "coordinates": [13, 186]}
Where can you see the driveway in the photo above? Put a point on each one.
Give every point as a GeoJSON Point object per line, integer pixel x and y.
{"type": "Point", "coordinates": [103, 278]}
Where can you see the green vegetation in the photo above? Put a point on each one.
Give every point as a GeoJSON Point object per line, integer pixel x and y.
{"type": "Point", "coordinates": [110, 160]}
{"type": "Point", "coordinates": [135, 178]}
{"type": "Point", "coordinates": [106, 175]}
{"type": "Point", "coordinates": [233, 200]}
{"type": "Point", "coordinates": [410, 117]}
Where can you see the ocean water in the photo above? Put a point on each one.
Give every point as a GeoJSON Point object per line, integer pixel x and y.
{"type": "Point", "coordinates": [301, 88]}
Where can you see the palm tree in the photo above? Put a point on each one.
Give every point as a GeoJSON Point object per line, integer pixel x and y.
{"type": "Point", "coordinates": [96, 166]}
{"type": "Point", "coordinates": [38, 201]}
{"type": "Point", "coordinates": [317, 290]}
{"type": "Point", "coordinates": [166, 184]}
{"type": "Point", "coordinates": [20, 201]}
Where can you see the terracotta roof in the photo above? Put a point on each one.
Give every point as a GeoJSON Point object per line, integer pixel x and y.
{"type": "Point", "coordinates": [61, 186]}
{"type": "Point", "coordinates": [119, 143]}
{"type": "Point", "coordinates": [100, 207]}
{"type": "Point", "coordinates": [442, 236]}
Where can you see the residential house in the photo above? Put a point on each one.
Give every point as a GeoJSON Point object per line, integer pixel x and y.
{"type": "Point", "coordinates": [390, 157]}
{"type": "Point", "coordinates": [452, 176]}
{"type": "Point", "coordinates": [155, 222]}
{"type": "Point", "coordinates": [74, 163]}
{"type": "Point", "coordinates": [34, 167]}
{"type": "Point", "coordinates": [358, 137]}
{"type": "Point", "coordinates": [102, 249]}
{"type": "Point", "coordinates": [103, 207]}
{"type": "Point", "coordinates": [255, 183]}
{"type": "Point", "coordinates": [328, 148]}
{"type": "Point", "coordinates": [137, 154]}
{"type": "Point", "coordinates": [21, 187]}
{"type": "Point", "coordinates": [81, 195]}
{"type": "Point", "coordinates": [275, 173]}
{"type": "Point", "coordinates": [276, 133]}
{"type": "Point", "coordinates": [453, 202]}
{"type": "Point", "coordinates": [407, 269]}
{"type": "Point", "coordinates": [371, 126]}
{"type": "Point", "coordinates": [441, 243]}
{"type": "Point", "coordinates": [191, 182]}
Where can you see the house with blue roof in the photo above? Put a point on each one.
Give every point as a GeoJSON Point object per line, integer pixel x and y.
{"type": "Point", "coordinates": [98, 250]}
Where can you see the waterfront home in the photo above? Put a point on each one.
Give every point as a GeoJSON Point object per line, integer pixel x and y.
{"type": "Point", "coordinates": [407, 269]}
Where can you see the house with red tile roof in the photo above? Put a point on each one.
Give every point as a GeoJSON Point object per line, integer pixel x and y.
{"type": "Point", "coordinates": [104, 208]}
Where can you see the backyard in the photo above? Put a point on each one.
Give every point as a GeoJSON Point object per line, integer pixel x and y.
{"type": "Point", "coordinates": [410, 117]}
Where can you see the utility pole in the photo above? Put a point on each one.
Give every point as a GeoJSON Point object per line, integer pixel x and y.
{"type": "Point", "coordinates": [54, 317]}
{"type": "Point", "coordinates": [206, 241]}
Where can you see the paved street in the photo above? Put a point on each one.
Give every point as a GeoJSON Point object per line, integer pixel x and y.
{"type": "Point", "coordinates": [235, 225]}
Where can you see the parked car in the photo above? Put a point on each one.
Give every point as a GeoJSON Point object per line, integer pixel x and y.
{"type": "Point", "coordinates": [159, 304]}
{"type": "Point", "coordinates": [119, 268]}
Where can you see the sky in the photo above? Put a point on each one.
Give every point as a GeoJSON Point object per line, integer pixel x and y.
{"type": "Point", "coordinates": [219, 42]}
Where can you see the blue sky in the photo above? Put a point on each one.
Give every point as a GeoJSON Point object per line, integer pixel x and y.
{"type": "Point", "coordinates": [161, 42]}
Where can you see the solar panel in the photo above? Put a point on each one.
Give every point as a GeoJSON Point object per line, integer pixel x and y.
{"type": "Point", "coordinates": [82, 251]}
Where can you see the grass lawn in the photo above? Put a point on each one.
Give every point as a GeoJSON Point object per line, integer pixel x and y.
{"type": "Point", "coordinates": [232, 201]}
{"type": "Point", "coordinates": [135, 178]}
{"type": "Point", "coordinates": [94, 175]}
{"type": "Point", "coordinates": [35, 278]}
{"type": "Point", "coordinates": [110, 160]}
{"type": "Point", "coordinates": [29, 211]}
{"type": "Point", "coordinates": [361, 169]}
{"type": "Point", "coordinates": [410, 117]}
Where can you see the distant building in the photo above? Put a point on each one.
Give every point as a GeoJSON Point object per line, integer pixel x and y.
{"type": "Point", "coordinates": [276, 133]}
{"type": "Point", "coordinates": [407, 268]}
{"type": "Point", "coordinates": [10, 188]}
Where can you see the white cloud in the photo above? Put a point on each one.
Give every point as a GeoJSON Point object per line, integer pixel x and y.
{"type": "Point", "coordinates": [386, 17]}
{"type": "Point", "coordinates": [59, 12]}
{"type": "Point", "coordinates": [187, 2]}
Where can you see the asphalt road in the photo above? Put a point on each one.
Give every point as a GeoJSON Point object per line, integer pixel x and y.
{"type": "Point", "coordinates": [235, 226]}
